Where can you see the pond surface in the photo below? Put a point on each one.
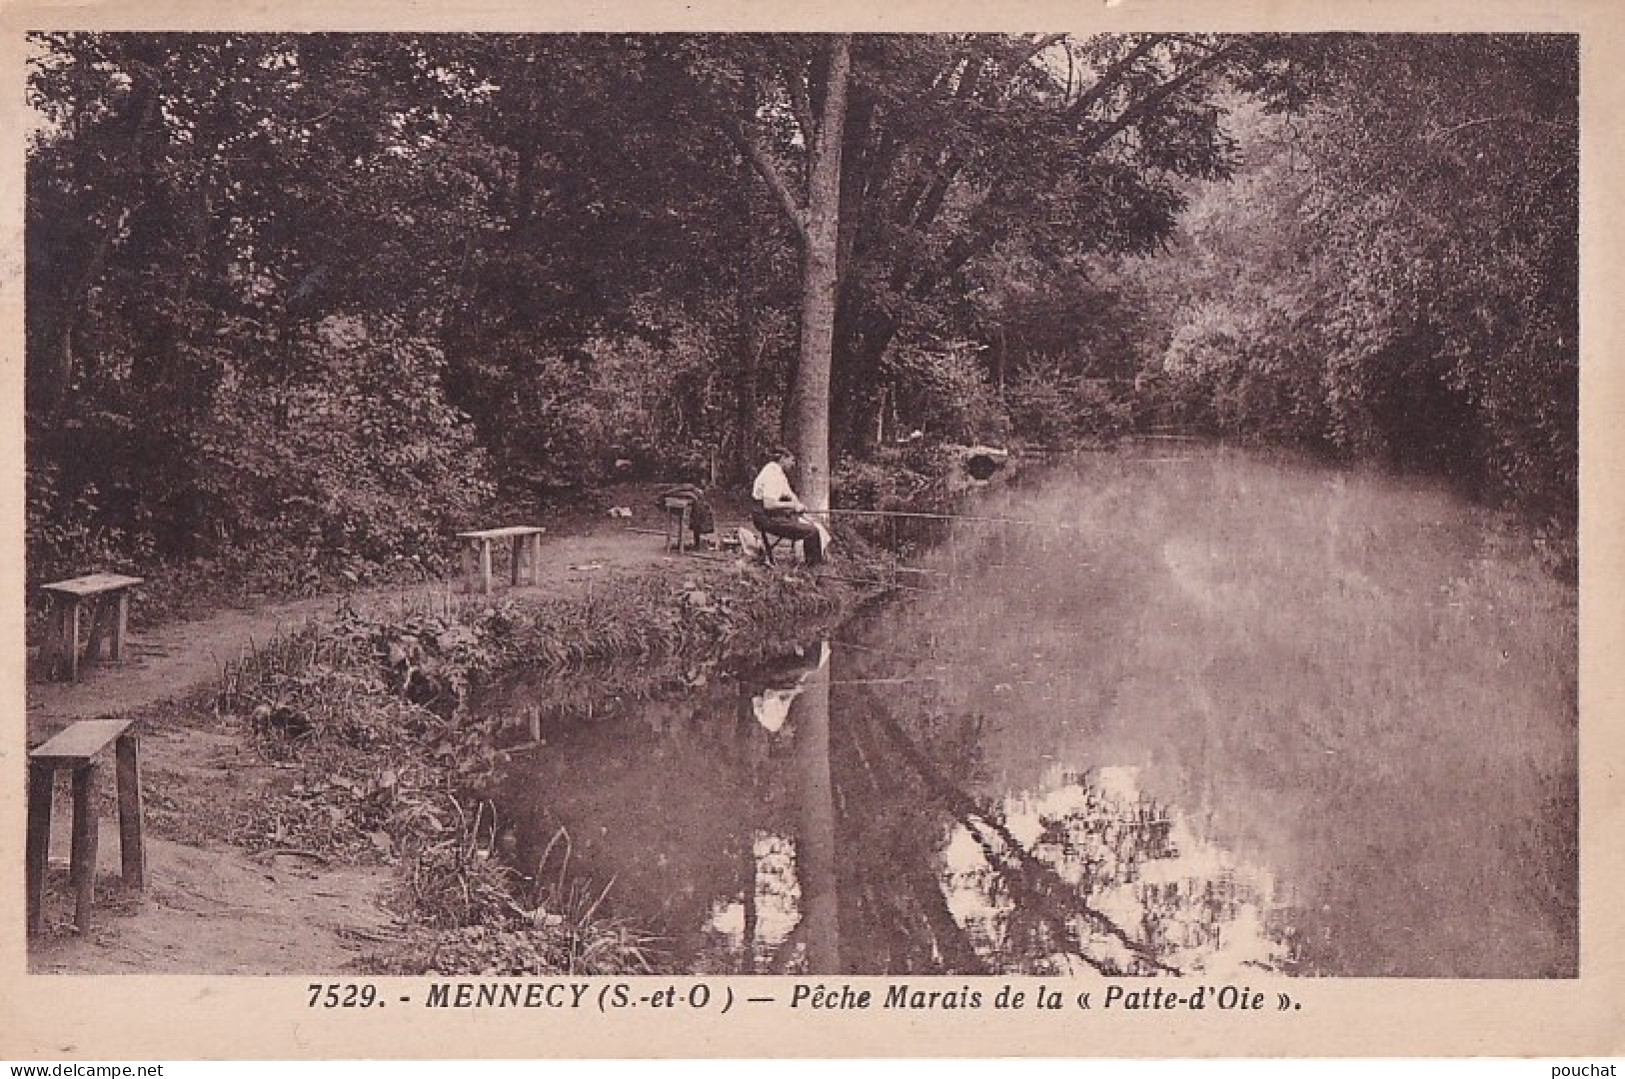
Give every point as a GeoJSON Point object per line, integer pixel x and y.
{"type": "Point", "coordinates": [1203, 712]}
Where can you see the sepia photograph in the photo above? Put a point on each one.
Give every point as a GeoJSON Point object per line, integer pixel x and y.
{"type": "Point", "coordinates": [514, 505]}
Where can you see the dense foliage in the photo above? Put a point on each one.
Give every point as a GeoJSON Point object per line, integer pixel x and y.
{"type": "Point", "coordinates": [1416, 295]}
{"type": "Point", "coordinates": [319, 292]}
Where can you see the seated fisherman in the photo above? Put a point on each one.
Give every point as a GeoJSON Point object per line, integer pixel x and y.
{"type": "Point", "coordinates": [777, 510]}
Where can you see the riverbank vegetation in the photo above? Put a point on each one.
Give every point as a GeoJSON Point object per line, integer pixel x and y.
{"type": "Point", "coordinates": [299, 305]}
{"type": "Point", "coordinates": [382, 761]}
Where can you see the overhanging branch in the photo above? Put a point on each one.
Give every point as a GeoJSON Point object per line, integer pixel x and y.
{"type": "Point", "coordinates": [1110, 76]}
{"type": "Point", "coordinates": [1154, 100]}
{"type": "Point", "coordinates": [768, 170]}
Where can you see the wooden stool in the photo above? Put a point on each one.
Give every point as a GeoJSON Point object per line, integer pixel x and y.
{"type": "Point", "coordinates": [770, 543]}
{"type": "Point", "coordinates": [68, 598]}
{"type": "Point", "coordinates": [677, 510]}
{"type": "Point", "coordinates": [527, 546]}
{"type": "Point", "coordinates": [768, 540]}
{"type": "Point", "coordinates": [76, 748]}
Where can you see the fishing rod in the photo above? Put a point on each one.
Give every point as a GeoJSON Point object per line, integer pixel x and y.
{"type": "Point", "coordinates": [706, 557]}
{"type": "Point", "coordinates": [939, 517]}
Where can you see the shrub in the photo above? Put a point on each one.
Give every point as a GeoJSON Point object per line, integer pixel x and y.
{"type": "Point", "coordinates": [946, 394]}
{"type": "Point", "coordinates": [561, 419]}
{"type": "Point", "coordinates": [364, 459]}
{"type": "Point", "coordinates": [1048, 407]}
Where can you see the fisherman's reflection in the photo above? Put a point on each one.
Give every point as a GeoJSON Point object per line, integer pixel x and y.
{"type": "Point", "coordinates": [794, 704]}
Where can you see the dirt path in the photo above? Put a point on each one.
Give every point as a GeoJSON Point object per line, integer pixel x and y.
{"type": "Point", "coordinates": [210, 907]}
{"type": "Point", "coordinates": [178, 658]}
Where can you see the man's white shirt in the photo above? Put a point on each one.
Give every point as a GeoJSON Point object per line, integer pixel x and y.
{"type": "Point", "coordinates": [772, 487]}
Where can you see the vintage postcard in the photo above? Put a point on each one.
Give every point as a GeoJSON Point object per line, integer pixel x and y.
{"type": "Point", "coordinates": [701, 531]}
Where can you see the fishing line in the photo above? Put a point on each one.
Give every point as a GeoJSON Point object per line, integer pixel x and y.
{"type": "Point", "coordinates": [941, 517]}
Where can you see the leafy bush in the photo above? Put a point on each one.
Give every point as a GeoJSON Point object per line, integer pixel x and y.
{"type": "Point", "coordinates": [362, 459]}
{"type": "Point", "coordinates": [67, 536]}
{"type": "Point", "coordinates": [946, 395]}
{"type": "Point", "coordinates": [923, 477]}
{"type": "Point", "coordinates": [343, 463]}
{"type": "Point", "coordinates": [1225, 372]}
{"type": "Point", "coordinates": [1039, 404]}
{"type": "Point", "coordinates": [883, 482]}
{"type": "Point", "coordinates": [562, 419]}
{"type": "Point", "coordinates": [1049, 407]}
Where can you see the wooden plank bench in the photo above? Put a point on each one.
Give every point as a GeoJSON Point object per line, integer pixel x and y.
{"type": "Point", "coordinates": [527, 547]}
{"type": "Point", "coordinates": [107, 597]}
{"type": "Point", "coordinates": [77, 748]}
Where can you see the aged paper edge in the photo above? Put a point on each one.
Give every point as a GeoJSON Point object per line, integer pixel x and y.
{"type": "Point", "coordinates": [174, 1017]}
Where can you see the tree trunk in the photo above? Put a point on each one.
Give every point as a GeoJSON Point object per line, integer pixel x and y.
{"type": "Point", "coordinates": [746, 450]}
{"type": "Point", "coordinates": [819, 278]}
{"type": "Point", "coordinates": [745, 447]}
{"type": "Point", "coordinates": [863, 334]}
{"type": "Point", "coordinates": [816, 855]}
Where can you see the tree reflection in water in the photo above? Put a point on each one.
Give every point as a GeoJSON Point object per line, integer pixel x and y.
{"type": "Point", "coordinates": [803, 827]}
{"type": "Point", "coordinates": [931, 879]}
{"type": "Point", "coordinates": [1186, 904]}
{"type": "Point", "coordinates": [1080, 875]}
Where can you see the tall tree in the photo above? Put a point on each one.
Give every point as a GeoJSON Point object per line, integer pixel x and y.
{"type": "Point", "coordinates": [819, 277]}
{"type": "Point", "coordinates": [963, 146]}
{"type": "Point", "coordinates": [951, 146]}
{"type": "Point", "coordinates": [782, 103]}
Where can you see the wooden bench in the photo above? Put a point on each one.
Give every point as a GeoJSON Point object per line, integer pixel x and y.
{"type": "Point", "coordinates": [527, 541]}
{"type": "Point", "coordinates": [77, 748]}
{"type": "Point", "coordinates": [107, 597]}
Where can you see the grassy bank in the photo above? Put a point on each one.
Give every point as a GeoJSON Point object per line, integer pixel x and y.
{"type": "Point", "coordinates": [380, 761]}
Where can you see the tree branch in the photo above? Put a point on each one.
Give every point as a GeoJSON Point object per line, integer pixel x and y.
{"type": "Point", "coordinates": [765, 167]}
{"type": "Point", "coordinates": [1154, 100]}
{"type": "Point", "coordinates": [1095, 93]}
{"type": "Point", "coordinates": [754, 152]}
{"type": "Point", "coordinates": [927, 202]}
{"type": "Point", "coordinates": [970, 87]}
{"type": "Point", "coordinates": [1036, 48]}
{"type": "Point", "coordinates": [1439, 133]}
{"type": "Point", "coordinates": [960, 251]}
{"type": "Point", "coordinates": [1021, 868]}
{"type": "Point", "coordinates": [1194, 42]}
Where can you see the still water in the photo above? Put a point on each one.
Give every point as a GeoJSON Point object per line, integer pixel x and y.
{"type": "Point", "coordinates": [1201, 712]}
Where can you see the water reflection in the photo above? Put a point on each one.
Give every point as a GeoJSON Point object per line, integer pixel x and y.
{"type": "Point", "coordinates": [1234, 717]}
{"type": "Point", "coordinates": [782, 842]}
{"type": "Point", "coordinates": [1196, 906]}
